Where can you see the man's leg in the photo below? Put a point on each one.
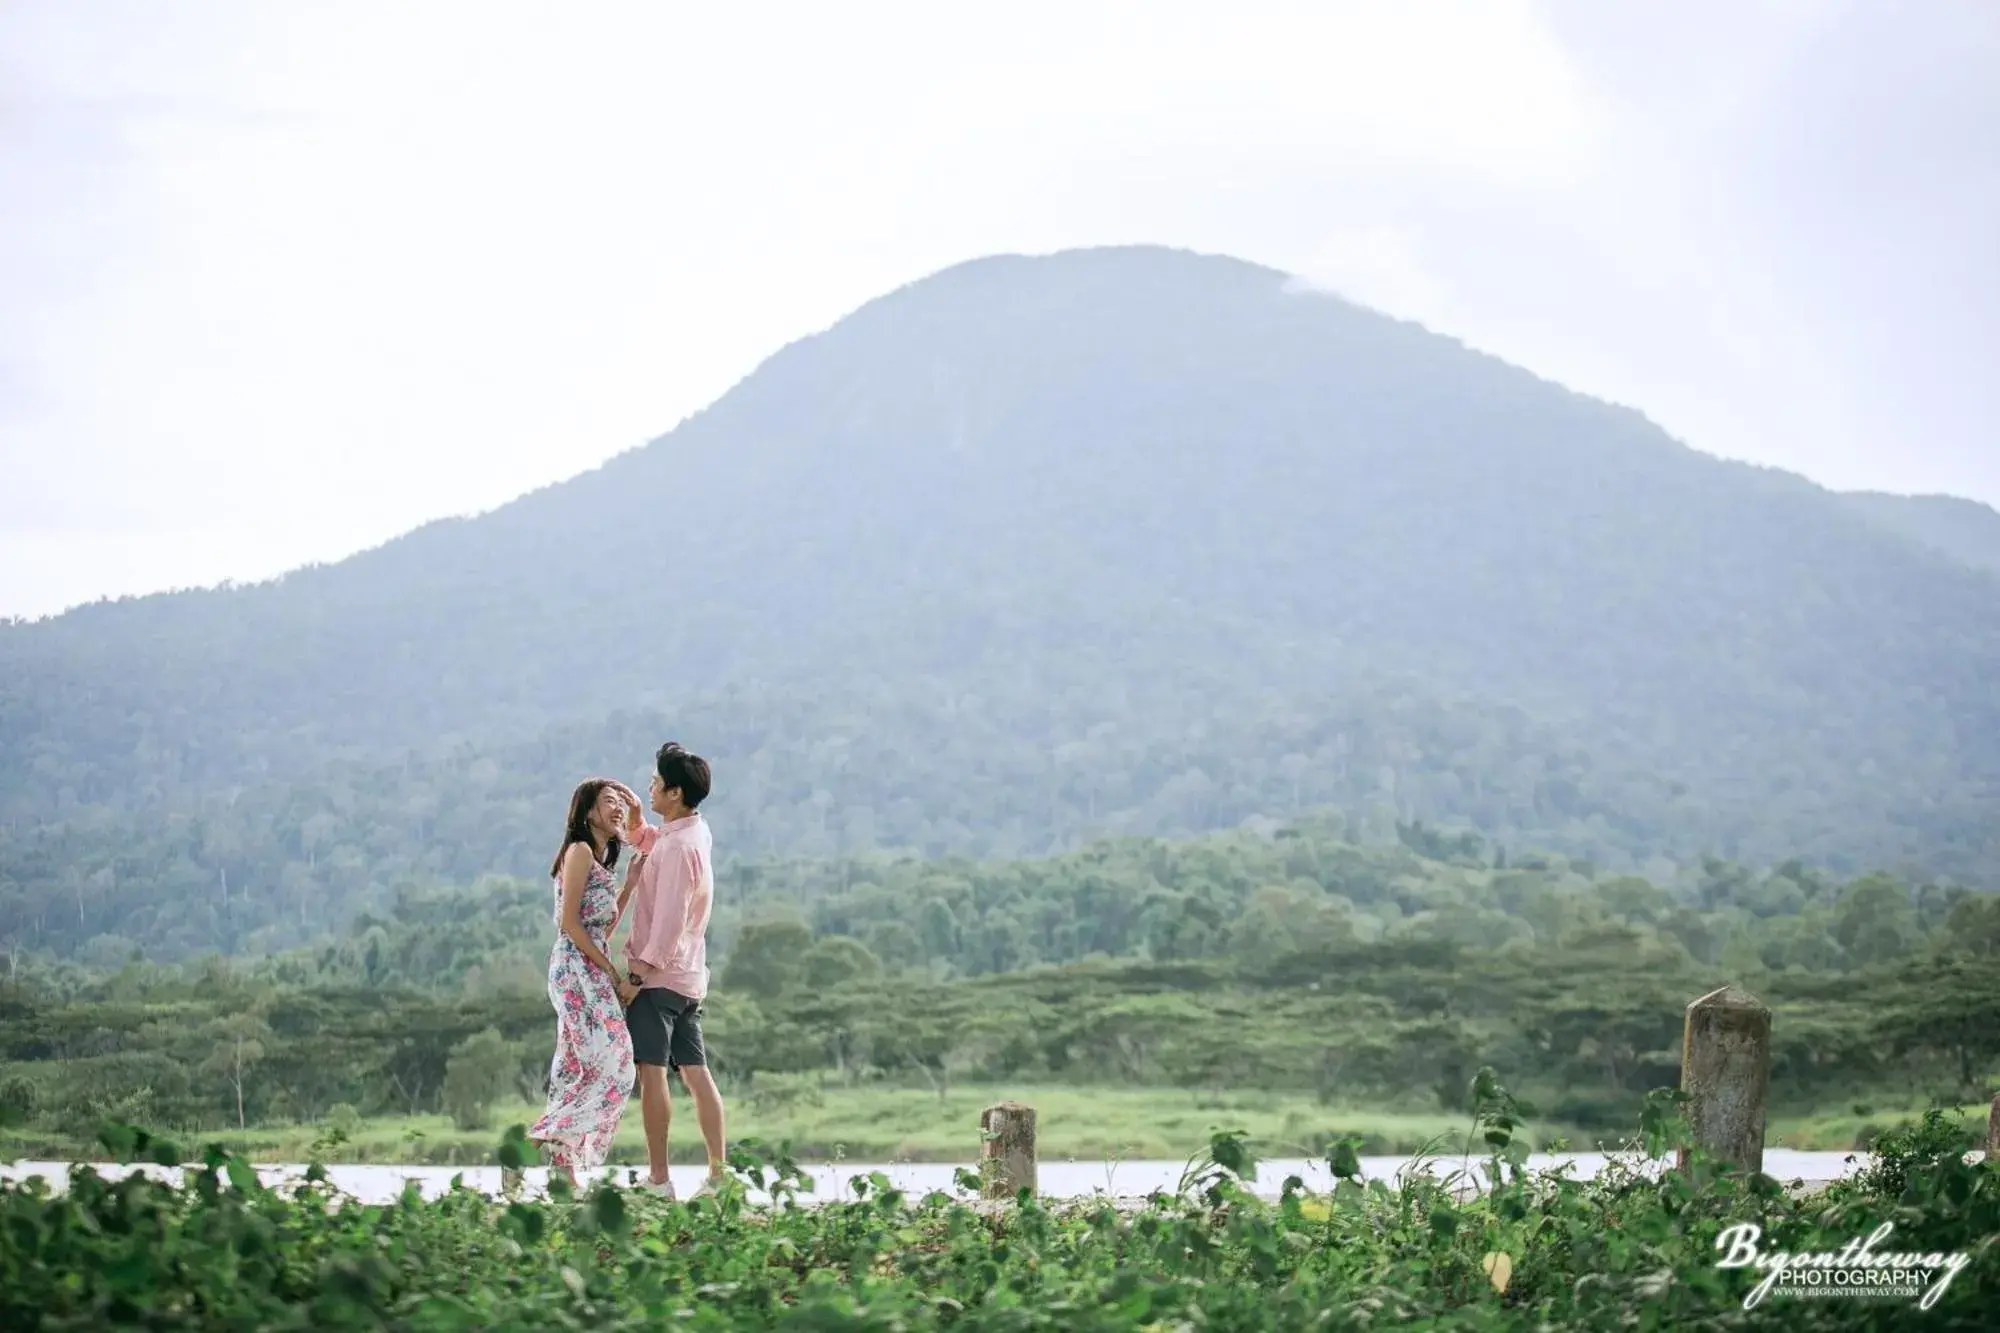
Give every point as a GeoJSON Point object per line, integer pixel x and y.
{"type": "Point", "coordinates": [690, 1059]}
{"type": "Point", "coordinates": [708, 1110]}
{"type": "Point", "coordinates": [652, 1042]}
{"type": "Point", "coordinates": [657, 1112]}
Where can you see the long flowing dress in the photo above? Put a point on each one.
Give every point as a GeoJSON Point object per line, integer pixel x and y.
{"type": "Point", "coordinates": [590, 1078]}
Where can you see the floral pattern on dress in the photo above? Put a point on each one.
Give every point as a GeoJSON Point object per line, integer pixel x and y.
{"type": "Point", "coordinates": [591, 1076]}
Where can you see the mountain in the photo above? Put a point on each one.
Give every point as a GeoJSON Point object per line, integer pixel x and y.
{"type": "Point", "coordinates": [1127, 540]}
{"type": "Point", "coordinates": [1959, 529]}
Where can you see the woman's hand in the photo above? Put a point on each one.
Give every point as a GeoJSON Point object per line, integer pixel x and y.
{"type": "Point", "coordinates": [628, 991]}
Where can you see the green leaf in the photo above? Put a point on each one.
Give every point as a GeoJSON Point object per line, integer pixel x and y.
{"type": "Point", "coordinates": [118, 1140]}
{"type": "Point", "coordinates": [525, 1221]}
{"type": "Point", "coordinates": [1345, 1160]}
{"type": "Point", "coordinates": [515, 1150]}
{"type": "Point", "coordinates": [1230, 1150]}
{"type": "Point", "coordinates": [243, 1176]}
{"type": "Point", "coordinates": [607, 1210]}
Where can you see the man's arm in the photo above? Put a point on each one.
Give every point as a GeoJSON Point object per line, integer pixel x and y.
{"type": "Point", "coordinates": [625, 891]}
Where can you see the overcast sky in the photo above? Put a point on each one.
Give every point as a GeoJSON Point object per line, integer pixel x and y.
{"type": "Point", "coordinates": [282, 280]}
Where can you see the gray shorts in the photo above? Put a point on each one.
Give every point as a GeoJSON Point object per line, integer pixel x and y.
{"type": "Point", "coordinates": [666, 1029]}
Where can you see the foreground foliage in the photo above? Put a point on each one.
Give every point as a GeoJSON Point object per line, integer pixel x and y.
{"type": "Point", "coordinates": [1529, 1252]}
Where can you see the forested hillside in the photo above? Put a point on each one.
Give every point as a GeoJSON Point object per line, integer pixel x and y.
{"type": "Point", "coordinates": [1125, 541]}
{"type": "Point", "coordinates": [1296, 961]}
{"type": "Point", "coordinates": [1954, 527]}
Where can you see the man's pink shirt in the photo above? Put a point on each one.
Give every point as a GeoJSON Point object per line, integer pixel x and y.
{"type": "Point", "coordinates": [668, 945]}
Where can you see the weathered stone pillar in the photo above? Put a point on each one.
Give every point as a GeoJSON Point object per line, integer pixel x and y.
{"type": "Point", "coordinates": [1993, 1130]}
{"type": "Point", "coordinates": [1726, 1072]}
{"type": "Point", "coordinates": [1007, 1150]}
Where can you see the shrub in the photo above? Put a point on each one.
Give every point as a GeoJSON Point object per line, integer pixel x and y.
{"type": "Point", "coordinates": [478, 1073]}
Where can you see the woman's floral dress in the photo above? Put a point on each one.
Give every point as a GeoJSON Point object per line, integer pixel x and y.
{"type": "Point", "coordinates": [590, 1078]}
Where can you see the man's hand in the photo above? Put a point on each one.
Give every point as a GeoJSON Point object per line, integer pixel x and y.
{"type": "Point", "coordinates": [635, 810]}
{"type": "Point", "coordinates": [628, 991]}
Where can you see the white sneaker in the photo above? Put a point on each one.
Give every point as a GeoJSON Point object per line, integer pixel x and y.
{"type": "Point", "coordinates": [663, 1188]}
{"type": "Point", "coordinates": [708, 1187]}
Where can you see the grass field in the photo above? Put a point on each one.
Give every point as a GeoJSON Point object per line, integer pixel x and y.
{"type": "Point", "coordinates": [878, 1124]}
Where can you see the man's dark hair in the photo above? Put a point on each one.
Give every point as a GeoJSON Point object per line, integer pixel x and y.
{"type": "Point", "coordinates": [689, 772]}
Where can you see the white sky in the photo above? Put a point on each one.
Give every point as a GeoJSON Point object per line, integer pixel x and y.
{"type": "Point", "coordinates": [283, 280]}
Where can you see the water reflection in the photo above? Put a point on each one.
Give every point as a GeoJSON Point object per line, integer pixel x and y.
{"type": "Point", "coordinates": [1057, 1179]}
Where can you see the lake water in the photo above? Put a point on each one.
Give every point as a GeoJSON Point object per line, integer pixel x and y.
{"type": "Point", "coordinates": [1056, 1179]}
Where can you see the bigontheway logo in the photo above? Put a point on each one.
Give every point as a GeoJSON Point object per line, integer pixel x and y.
{"type": "Point", "coordinates": [1856, 1269]}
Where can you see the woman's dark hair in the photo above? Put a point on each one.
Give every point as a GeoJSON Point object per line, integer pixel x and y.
{"type": "Point", "coordinates": [578, 827]}
{"type": "Point", "coordinates": [689, 772]}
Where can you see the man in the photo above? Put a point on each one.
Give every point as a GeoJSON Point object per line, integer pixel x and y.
{"type": "Point", "coordinates": [666, 956]}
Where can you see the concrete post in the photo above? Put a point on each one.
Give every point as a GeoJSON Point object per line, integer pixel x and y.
{"type": "Point", "coordinates": [1726, 1072]}
{"type": "Point", "coordinates": [1007, 1150]}
{"type": "Point", "coordinates": [1993, 1131]}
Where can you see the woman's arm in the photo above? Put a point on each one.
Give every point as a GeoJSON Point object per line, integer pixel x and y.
{"type": "Point", "coordinates": [575, 875]}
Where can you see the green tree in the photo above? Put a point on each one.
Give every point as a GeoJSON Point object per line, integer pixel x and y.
{"type": "Point", "coordinates": [1875, 921]}
{"type": "Point", "coordinates": [479, 1072]}
{"type": "Point", "coordinates": [1950, 1007]}
{"type": "Point", "coordinates": [896, 944]}
{"type": "Point", "coordinates": [1972, 926]}
{"type": "Point", "coordinates": [837, 960]}
{"type": "Point", "coordinates": [768, 957]}
{"type": "Point", "coordinates": [237, 1045]}
{"type": "Point", "coordinates": [937, 927]}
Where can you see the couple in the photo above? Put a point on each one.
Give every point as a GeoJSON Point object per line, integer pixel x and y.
{"type": "Point", "coordinates": [647, 1012]}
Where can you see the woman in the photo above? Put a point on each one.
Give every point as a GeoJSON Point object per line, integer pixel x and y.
{"type": "Point", "coordinates": [591, 1077]}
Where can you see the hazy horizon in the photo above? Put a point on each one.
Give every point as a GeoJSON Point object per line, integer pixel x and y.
{"type": "Point", "coordinates": [533, 243]}
{"type": "Point", "coordinates": [748, 372]}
